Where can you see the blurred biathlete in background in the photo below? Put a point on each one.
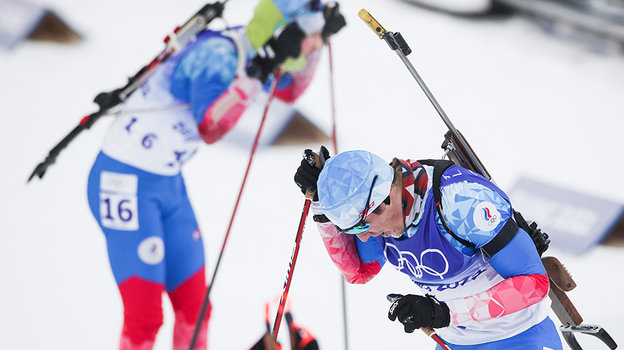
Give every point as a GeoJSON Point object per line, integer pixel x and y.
{"type": "Point", "coordinates": [136, 191]}
{"type": "Point", "coordinates": [450, 231]}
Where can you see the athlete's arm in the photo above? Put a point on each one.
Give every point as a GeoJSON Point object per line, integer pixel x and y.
{"type": "Point", "coordinates": [525, 281]}
{"type": "Point", "coordinates": [294, 83]}
{"type": "Point", "coordinates": [221, 116]}
{"type": "Point", "coordinates": [525, 284]}
{"type": "Point", "coordinates": [206, 78]}
{"type": "Point", "coordinates": [344, 252]}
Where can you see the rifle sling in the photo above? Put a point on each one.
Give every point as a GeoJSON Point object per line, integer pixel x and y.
{"type": "Point", "coordinates": [504, 236]}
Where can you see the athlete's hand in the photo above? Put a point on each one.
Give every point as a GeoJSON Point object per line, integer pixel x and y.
{"type": "Point", "coordinates": [415, 311]}
{"type": "Point", "coordinates": [308, 171]}
{"type": "Point", "coordinates": [276, 51]}
{"type": "Point", "coordinates": [334, 20]}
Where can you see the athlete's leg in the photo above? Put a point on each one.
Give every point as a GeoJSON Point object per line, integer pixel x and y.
{"type": "Point", "coordinates": [131, 224]}
{"type": "Point", "coordinates": [186, 305]}
{"type": "Point", "coordinates": [142, 313]}
{"type": "Point", "coordinates": [136, 259]}
{"type": "Point", "coordinates": [186, 281]}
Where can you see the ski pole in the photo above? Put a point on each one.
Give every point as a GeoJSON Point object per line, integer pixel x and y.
{"type": "Point", "coordinates": [291, 265]}
{"type": "Point", "coordinates": [314, 160]}
{"type": "Point", "coordinates": [291, 327]}
{"type": "Point", "coordinates": [181, 36]}
{"type": "Point", "coordinates": [240, 192]}
{"type": "Point", "coordinates": [432, 333]}
{"type": "Point", "coordinates": [268, 336]}
{"type": "Point", "coordinates": [332, 96]}
{"type": "Point", "coordinates": [343, 286]}
{"type": "Point", "coordinates": [428, 330]}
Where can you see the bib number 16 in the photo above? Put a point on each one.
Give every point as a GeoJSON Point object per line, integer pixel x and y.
{"type": "Point", "coordinates": [119, 211]}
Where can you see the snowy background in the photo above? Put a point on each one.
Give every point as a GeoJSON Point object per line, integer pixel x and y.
{"type": "Point", "coordinates": [529, 103]}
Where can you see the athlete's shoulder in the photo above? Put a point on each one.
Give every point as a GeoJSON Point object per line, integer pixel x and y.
{"type": "Point", "coordinates": [474, 211]}
{"type": "Point", "coordinates": [210, 61]}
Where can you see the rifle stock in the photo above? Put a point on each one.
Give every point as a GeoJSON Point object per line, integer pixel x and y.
{"type": "Point", "coordinates": [460, 156]}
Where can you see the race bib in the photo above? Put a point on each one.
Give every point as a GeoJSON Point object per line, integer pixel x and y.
{"type": "Point", "coordinates": [118, 201]}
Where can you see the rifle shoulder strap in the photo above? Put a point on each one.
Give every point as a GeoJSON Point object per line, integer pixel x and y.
{"type": "Point", "coordinates": [504, 236]}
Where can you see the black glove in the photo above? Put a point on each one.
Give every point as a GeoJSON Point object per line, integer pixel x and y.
{"type": "Point", "coordinates": [334, 20]}
{"type": "Point", "coordinates": [415, 311]}
{"type": "Point", "coordinates": [275, 52]}
{"type": "Point", "coordinates": [308, 172]}
{"type": "Point", "coordinates": [540, 238]}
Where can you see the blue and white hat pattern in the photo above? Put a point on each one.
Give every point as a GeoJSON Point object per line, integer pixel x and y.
{"type": "Point", "coordinates": [345, 182]}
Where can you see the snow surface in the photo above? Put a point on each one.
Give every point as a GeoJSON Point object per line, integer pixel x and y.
{"type": "Point", "coordinates": [529, 103]}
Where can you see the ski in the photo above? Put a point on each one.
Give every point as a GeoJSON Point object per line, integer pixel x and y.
{"type": "Point", "coordinates": [174, 42]}
{"type": "Point", "coordinates": [457, 149]}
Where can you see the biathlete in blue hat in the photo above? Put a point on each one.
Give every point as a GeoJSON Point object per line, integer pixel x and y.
{"type": "Point", "coordinates": [483, 282]}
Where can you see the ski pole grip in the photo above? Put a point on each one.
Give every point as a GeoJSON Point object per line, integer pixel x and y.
{"type": "Point", "coordinates": [310, 194]}
{"type": "Point", "coordinates": [314, 160]}
{"type": "Point", "coordinates": [372, 23]}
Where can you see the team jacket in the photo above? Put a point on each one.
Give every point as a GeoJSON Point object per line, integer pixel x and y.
{"type": "Point", "coordinates": [199, 94]}
{"type": "Point", "coordinates": [489, 299]}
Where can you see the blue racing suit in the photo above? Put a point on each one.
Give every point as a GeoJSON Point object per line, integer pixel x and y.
{"type": "Point", "coordinates": [136, 191]}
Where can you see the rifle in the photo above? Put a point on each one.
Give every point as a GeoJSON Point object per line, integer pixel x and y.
{"type": "Point", "coordinates": [174, 42]}
{"type": "Point", "coordinates": [457, 149]}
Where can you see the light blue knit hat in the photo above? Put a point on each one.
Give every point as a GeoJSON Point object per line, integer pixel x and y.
{"type": "Point", "coordinates": [345, 182]}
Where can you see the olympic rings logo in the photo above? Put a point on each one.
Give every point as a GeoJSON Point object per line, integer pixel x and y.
{"type": "Point", "coordinates": [413, 264]}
